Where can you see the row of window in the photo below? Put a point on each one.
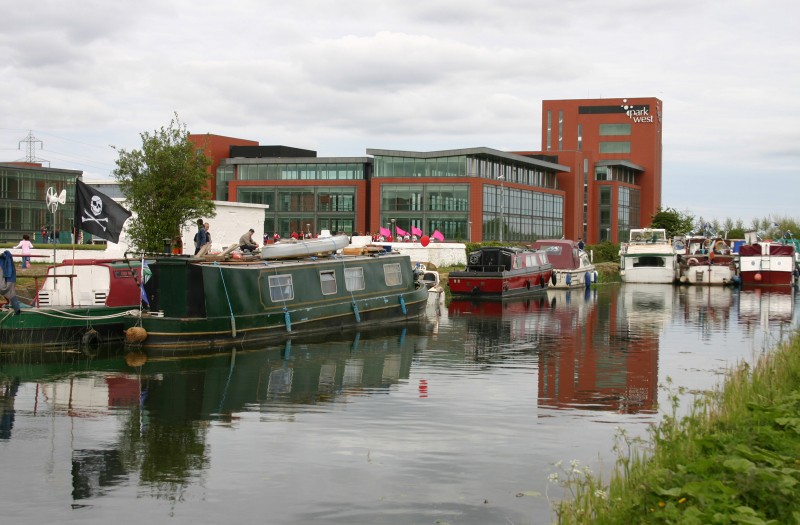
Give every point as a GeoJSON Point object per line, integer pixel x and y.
{"type": "Point", "coordinates": [281, 287]}
{"type": "Point", "coordinates": [310, 171]}
{"type": "Point", "coordinates": [419, 197]}
{"type": "Point", "coordinates": [615, 173]}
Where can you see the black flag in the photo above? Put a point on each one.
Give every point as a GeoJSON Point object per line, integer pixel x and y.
{"type": "Point", "coordinates": [97, 213]}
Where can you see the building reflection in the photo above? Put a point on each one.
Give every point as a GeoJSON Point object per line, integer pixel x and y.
{"type": "Point", "coordinates": [596, 351]}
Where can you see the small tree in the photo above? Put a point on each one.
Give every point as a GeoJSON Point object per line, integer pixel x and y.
{"type": "Point", "coordinates": [676, 223]}
{"type": "Point", "coordinates": [165, 184]}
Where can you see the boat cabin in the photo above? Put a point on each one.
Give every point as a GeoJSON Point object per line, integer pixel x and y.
{"type": "Point", "coordinates": [504, 259]}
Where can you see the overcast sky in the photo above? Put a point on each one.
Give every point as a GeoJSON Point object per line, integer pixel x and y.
{"type": "Point", "coordinates": [342, 76]}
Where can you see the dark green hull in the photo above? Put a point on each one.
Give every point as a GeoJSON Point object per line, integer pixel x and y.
{"type": "Point", "coordinates": [49, 330]}
{"type": "Point", "coordinates": [201, 308]}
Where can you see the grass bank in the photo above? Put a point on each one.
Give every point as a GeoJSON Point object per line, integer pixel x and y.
{"type": "Point", "coordinates": [734, 459]}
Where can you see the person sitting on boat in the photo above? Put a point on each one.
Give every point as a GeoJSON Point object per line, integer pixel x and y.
{"type": "Point", "coordinates": [276, 237]}
{"type": "Point", "coordinates": [8, 280]}
{"type": "Point", "coordinates": [246, 242]}
{"type": "Point", "coordinates": [295, 236]}
{"type": "Point", "coordinates": [580, 243]}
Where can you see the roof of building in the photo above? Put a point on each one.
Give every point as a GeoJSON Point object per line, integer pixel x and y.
{"type": "Point", "coordinates": [475, 152]}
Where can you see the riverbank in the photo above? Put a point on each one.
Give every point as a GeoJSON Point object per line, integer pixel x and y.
{"type": "Point", "coordinates": [733, 459]}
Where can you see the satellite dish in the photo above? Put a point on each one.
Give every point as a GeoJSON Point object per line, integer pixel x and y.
{"type": "Point", "coordinates": [54, 200]}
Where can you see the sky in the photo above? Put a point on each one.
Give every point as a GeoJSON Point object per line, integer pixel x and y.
{"type": "Point", "coordinates": [342, 76]}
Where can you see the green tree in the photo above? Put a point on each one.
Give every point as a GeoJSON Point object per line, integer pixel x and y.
{"type": "Point", "coordinates": [675, 222]}
{"type": "Point", "coordinates": [165, 184]}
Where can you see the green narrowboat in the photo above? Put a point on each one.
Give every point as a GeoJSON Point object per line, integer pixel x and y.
{"type": "Point", "coordinates": [201, 306]}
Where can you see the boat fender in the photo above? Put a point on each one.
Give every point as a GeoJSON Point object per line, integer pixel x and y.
{"type": "Point", "coordinates": [527, 285]}
{"type": "Point", "coordinates": [403, 305]}
{"type": "Point", "coordinates": [287, 319]}
{"type": "Point", "coordinates": [543, 282]}
{"type": "Point", "coordinates": [355, 311]}
{"type": "Point", "coordinates": [135, 334]}
{"type": "Point", "coordinates": [594, 276]}
{"type": "Point", "coordinates": [90, 342]}
{"type": "Point", "coordinates": [553, 278]}
{"type": "Point", "coordinates": [474, 290]}
{"type": "Point", "coordinates": [569, 279]}
{"type": "Point", "coordinates": [587, 279]}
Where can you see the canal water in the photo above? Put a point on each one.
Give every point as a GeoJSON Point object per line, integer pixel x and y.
{"type": "Point", "coordinates": [459, 419]}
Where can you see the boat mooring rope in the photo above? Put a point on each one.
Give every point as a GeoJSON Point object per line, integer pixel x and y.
{"type": "Point", "coordinates": [230, 307]}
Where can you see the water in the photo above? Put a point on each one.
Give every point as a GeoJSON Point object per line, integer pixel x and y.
{"type": "Point", "coordinates": [458, 419]}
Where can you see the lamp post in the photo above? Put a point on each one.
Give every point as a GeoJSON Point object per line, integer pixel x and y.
{"type": "Point", "coordinates": [469, 231]}
{"type": "Point", "coordinates": [308, 229]}
{"type": "Point", "coordinates": [502, 206]}
{"type": "Point", "coordinates": [393, 231]}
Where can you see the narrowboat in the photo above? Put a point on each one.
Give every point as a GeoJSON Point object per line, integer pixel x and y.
{"type": "Point", "coordinates": [571, 265]}
{"type": "Point", "coordinates": [706, 261]}
{"type": "Point", "coordinates": [498, 272]}
{"type": "Point", "coordinates": [79, 306]}
{"type": "Point", "coordinates": [200, 306]}
{"type": "Point", "coordinates": [648, 257]}
{"type": "Point", "coordinates": [767, 264]}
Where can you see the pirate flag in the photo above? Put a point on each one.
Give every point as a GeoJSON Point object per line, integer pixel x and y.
{"type": "Point", "coordinates": [97, 213]}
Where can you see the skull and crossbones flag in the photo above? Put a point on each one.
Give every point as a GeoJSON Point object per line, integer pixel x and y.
{"type": "Point", "coordinates": [97, 213]}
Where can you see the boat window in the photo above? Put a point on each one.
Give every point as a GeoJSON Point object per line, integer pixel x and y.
{"type": "Point", "coordinates": [327, 281]}
{"type": "Point", "coordinates": [281, 288]}
{"type": "Point", "coordinates": [531, 261]}
{"type": "Point", "coordinates": [392, 274]}
{"type": "Point", "coordinates": [543, 258]}
{"type": "Point", "coordinates": [354, 279]}
{"type": "Point", "coordinates": [517, 263]}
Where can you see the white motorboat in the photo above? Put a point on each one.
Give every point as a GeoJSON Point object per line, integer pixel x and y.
{"type": "Point", "coordinates": [648, 257]}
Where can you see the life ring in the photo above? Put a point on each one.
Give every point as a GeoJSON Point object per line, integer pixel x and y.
{"type": "Point", "coordinates": [719, 246]}
{"type": "Point", "coordinates": [90, 342]}
{"type": "Point", "coordinates": [692, 261]}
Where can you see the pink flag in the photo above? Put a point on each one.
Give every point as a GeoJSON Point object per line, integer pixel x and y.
{"type": "Point", "coordinates": [400, 231]}
{"type": "Point", "coordinates": [385, 232]}
{"type": "Point", "coordinates": [438, 235]}
{"type": "Point", "coordinates": [415, 231]}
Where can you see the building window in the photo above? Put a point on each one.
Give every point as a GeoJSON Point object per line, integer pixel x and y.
{"type": "Point", "coordinates": [609, 130]}
{"type": "Point", "coordinates": [523, 215]}
{"type": "Point", "coordinates": [580, 137]}
{"type": "Point", "coordinates": [615, 147]}
{"type": "Point", "coordinates": [560, 130]}
{"type": "Point", "coordinates": [604, 209]}
{"type": "Point", "coordinates": [549, 130]}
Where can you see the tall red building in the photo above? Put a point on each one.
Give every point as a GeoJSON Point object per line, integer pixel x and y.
{"type": "Point", "coordinates": [613, 148]}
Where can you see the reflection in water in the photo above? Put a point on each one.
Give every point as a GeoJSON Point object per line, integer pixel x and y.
{"type": "Point", "coordinates": [298, 430]}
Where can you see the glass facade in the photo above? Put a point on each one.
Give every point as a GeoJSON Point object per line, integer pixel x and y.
{"type": "Point", "coordinates": [608, 130]}
{"type": "Point", "coordinates": [304, 208]}
{"type": "Point", "coordinates": [628, 207]}
{"type": "Point", "coordinates": [523, 215]}
{"type": "Point", "coordinates": [604, 210]}
{"type": "Point", "coordinates": [615, 173]}
{"type": "Point", "coordinates": [615, 147]}
{"type": "Point", "coordinates": [428, 207]}
{"type": "Point", "coordinates": [455, 166]}
{"type": "Point", "coordinates": [23, 209]}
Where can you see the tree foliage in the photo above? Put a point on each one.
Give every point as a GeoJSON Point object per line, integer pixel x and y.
{"type": "Point", "coordinates": [676, 223]}
{"type": "Point", "coordinates": [165, 184]}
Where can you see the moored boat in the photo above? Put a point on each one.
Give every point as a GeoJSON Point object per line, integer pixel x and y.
{"type": "Point", "coordinates": [648, 257]}
{"type": "Point", "coordinates": [202, 306]}
{"type": "Point", "coordinates": [571, 265]}
{"type": "Point", "coordinates": [79, 306]}
{"type": "Point", "coordinates": [706, 261]}
{"type": "Point", "coordinates": [767, 264]}
{"type": "Point", "coordinates": [501, 272]}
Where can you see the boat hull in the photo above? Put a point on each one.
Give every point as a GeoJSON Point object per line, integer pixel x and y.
{"type": "Point", "coordinates": [767, 264]}
{"type": "Point", "coordinates": [578, 278]}
{"type": "Point", "coordinates": [497, 285]}
{"type": "Point", "coordinates": [83, 330]}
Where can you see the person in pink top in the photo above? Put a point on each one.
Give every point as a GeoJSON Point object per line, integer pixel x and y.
{"type": "Point", "coordinates": [26, 246]}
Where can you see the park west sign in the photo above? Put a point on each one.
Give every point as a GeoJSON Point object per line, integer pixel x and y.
{"type": "Point", "coordinates": [637, 113]}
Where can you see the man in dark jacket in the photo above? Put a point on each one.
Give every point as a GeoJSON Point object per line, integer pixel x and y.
{"type": "Point", "coordinates": [8, 280]}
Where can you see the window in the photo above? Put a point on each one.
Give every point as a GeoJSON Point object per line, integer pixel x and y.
{"type": "Point", "coordinates": [607, 130]}
{"type": "Point", "coordinates": [327, 281]}
{"type": "Point", "coordinates": [354, 279]}
{"type": "Point", "coordinates": [392, 274]}
{"type": "Point", "coordinates": [615, 147]}
{"type": "Point", "coordinates": [281, 288]}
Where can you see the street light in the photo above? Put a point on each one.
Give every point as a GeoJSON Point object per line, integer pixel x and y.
{"type": "Point", "coordinates": [502, 206]}
{"type": "Point", "coordinates": [393, 231]}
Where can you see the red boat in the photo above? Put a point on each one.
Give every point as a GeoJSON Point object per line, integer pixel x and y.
{"type": "Point", "coordinates": [500, 272]}
{"type": "Point", "coordinates": [767, 264]}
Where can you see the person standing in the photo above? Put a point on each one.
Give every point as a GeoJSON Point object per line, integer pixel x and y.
{"type": "Point", "coordinates": [26, 246]}
{"type": "Point", "coordinates": [200, 236]}
{"type": "Point", "coordinates": [8, 280]}
{"type": "Point", "coordinates": [246, 242]}
{"type": "Point", "coordinates": [580, 243]}
{"type": "Point", "coordinates": [208, 234]}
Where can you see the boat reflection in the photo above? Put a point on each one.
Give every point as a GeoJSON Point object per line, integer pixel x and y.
{"type": "Point", "coordinates": [166, 406]}
{"type": "Point", "coordinates": [708, 307]}
{"type": "Point", "coordinates": [765, 306]}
